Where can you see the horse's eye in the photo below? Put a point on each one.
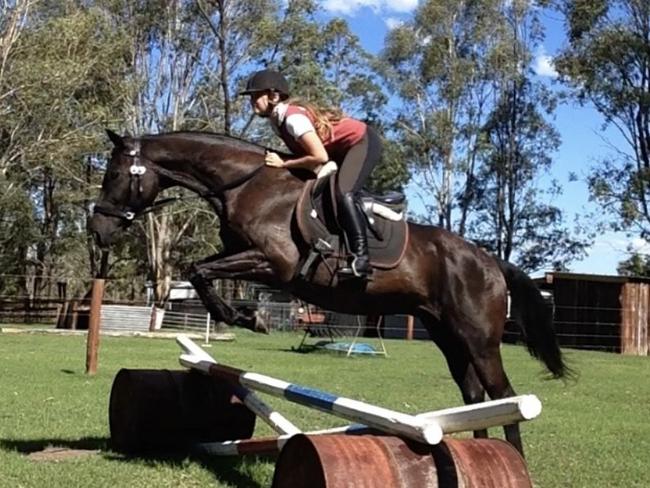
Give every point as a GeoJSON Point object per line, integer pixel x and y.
{"type": "Point", "coordinates": [114, 174]}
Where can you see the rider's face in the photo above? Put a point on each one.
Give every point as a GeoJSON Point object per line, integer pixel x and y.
{"type": "Point", "coordinates": [263, 103]}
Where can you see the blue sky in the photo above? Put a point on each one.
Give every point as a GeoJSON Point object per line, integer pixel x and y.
{"type": "Point", "coordinates": [583, 141]}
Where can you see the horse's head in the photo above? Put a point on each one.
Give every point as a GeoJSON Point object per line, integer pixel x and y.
{"type": "Point", "coordinates": [130, 185]}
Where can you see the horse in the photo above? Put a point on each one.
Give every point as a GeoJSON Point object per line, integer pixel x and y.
{"type": "Point", "coordinates": [457, 290]}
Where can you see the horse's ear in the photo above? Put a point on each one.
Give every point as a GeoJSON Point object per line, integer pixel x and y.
{"type": "Point", "coordinates": [116, 139]}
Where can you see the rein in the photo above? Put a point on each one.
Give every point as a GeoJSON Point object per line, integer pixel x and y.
{"type": "Point", "coordinates": [137, 170]}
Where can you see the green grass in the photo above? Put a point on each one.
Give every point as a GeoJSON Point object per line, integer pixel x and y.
{"type": "Point", "coordinates": [592, 433]}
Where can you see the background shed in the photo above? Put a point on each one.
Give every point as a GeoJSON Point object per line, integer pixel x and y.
{"type": "Point", "coordinates": [608, 313]}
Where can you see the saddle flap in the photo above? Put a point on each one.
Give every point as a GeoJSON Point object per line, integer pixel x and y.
{"type": "Point", "coordinates": [317, 222]}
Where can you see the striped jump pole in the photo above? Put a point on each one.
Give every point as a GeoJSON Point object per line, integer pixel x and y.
{"type": "Point", "coordinates": [478, 416]}
{"type": "Point", "coordinates": [385, 420]}
{"type": "Point", "coordinates": [274, 419]}
{"type": "Point", "coordinates": [459, 419]}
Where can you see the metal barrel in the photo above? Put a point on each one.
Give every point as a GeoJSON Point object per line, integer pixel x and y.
{"type": "Point", "coordinates": [163, 410]}
{"type": "Point", "coordinates": [481, 462]}
{"type": "Point", "coordinates": [334, 461]}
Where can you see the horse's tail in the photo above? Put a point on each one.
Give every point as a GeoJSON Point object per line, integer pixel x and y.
{"type": "Point", "coordinates": [535, 319]}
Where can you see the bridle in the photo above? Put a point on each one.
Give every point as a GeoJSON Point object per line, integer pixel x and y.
{"type": "Point", "coordinates": [137, 170]}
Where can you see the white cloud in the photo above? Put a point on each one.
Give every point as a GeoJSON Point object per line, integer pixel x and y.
{"type": "Point", "coordinates": [543, 64]}
{"type": "Point", "coordinates": [393, 22]}
{"type": "Point", "coordinates": [621, 244]}
{"type": "Point", "coordinates": [639, 245]}
{"type": "Point", "coordinates": [350, 7]}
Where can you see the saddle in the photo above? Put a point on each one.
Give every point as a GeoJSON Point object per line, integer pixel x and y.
{"type": "Point", "coordinates": [317, 221]}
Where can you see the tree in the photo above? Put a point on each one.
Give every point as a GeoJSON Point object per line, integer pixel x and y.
{"type": "Point", "coordinates": [636, 265]}
{"type": "Point", "coordinates": [513, 218]}
{"type": "Point", "coordinates": [62, 79]}
{"type": "Point", "coordinates": [15, 211]}
{"type": "Point", "coordinates": [607, 63]}
{"type": "Point", "coordinates": [169, 59]}
{"type": "Point", "coordinates": [473, 129]}
{"type": "Point", "coordinates": [439, 64]}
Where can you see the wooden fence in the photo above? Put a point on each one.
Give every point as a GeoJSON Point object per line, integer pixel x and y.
{"type": "Point", "coordinates": [590, 312]}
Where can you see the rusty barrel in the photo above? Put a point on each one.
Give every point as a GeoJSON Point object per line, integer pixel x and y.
{"type": "Point", "coordinates": [163, 410]}
{"type": "Point", "coordinates": [333, 461]}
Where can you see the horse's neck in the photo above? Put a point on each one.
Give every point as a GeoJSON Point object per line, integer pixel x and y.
{"type": "Point", "coordinates": [205, 168]}
{"type": "Point", "coordinates": [182, 163]}
{"type": "Point", "coordinates": [173, 177]}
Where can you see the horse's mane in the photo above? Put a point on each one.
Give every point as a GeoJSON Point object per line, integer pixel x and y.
{"type": "Point", "coordinates": [237, 143]}
{"type": "Point", "coordinates": [215, 138]}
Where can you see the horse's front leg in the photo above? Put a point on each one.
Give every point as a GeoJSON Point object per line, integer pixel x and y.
{"type": "Point", "coordinates": [250, 265]}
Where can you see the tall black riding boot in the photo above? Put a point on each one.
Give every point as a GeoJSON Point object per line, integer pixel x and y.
{"type": "Point", "coordinates": [355, 230]}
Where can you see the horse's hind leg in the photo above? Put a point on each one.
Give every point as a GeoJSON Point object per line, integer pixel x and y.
{"type": "Point", "coordinates": [460, 366]}
{"type": "Point", "coordinates": [489, 368]}
{"type": "Point", "coordinates": [478, 325]}
{"type": "Point", "coordinates": [475, 364]}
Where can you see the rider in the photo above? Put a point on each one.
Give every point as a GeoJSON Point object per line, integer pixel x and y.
{"type": "Point", "coordinates": [315, 136]}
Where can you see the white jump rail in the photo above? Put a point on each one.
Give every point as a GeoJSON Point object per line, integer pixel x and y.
{"type": "Point", "coordinates": [274, 419]}
{"type": "Point", "coordinates": [383, 419]}
{"type": "Point", "coordinates": [488, 414]}
{"type": "Point", "coordinates": [458, 419]}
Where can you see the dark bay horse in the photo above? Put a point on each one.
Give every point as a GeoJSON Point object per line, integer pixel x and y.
{"type": "Point", "coordinates": [457, 290]}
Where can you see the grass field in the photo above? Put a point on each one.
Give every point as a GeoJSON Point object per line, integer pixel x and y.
{"type": "Point", "coordinates": [594, 432]}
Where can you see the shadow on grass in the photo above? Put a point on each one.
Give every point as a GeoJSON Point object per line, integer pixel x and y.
{"type": "Point", "coordinates": [34, 445]}
{"type": "Point", "coordinates": [226, 469]}
{"type": "Point", "coordinates": [230, 470]}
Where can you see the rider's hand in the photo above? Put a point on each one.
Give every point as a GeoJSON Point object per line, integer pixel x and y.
{"type": "Point", "coordinates": [273, 159]}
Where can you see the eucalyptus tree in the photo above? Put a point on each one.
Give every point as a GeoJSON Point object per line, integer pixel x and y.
{"type": "Point", "coordinates": [13, 17]}
{"type": "Point", "coordinates": [636, 265]}
{"type": "Point", "coordinates": [168, 57]}
{"type": "Point", "coordinates": [439, 65]}
{"type": "Point", "coordinates": [606, 63]}
{"type": "Point", "coordinates": [62, 81]}
{"type": "Point", "coordinates": [514, 216]}
{"type": "Point", "coordinates": [15, 212]}
{"type": "Point", "coordinates": [472, 124]}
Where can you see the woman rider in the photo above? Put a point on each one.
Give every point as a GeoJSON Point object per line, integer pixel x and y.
{"type": "Point", "coordinates": [315, 136]}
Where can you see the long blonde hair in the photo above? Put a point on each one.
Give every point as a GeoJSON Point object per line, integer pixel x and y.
{"type": "Point", "coordinates": [324, 117]}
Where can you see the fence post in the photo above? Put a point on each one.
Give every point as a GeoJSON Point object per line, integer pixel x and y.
{"type": "Point", "coordinates": [152, 320]}
{"type": "Point", "coordinates": [409, 327]}
{"type": "Point", "coordinates": [92, 341]}
{"type": "Point", "coordinates": [207, 329]}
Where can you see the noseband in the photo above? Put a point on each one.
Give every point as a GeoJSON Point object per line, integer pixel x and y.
{"type": "Point", "coordinates": [136, 171]}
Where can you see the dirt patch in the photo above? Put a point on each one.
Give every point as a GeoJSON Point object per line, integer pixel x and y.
{"type": "Point", "coordinates": [60, 454]}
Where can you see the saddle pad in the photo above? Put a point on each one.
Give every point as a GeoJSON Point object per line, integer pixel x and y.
{"type": "Point", "coordinates": [316, 219]}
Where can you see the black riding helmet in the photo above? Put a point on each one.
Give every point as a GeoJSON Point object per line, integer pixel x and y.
{"type": "Point", "coordinates": [267, 79]}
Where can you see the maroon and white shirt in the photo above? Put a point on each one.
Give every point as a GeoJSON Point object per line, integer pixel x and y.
{"type": "Point", "coordinates": [291, 122]}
